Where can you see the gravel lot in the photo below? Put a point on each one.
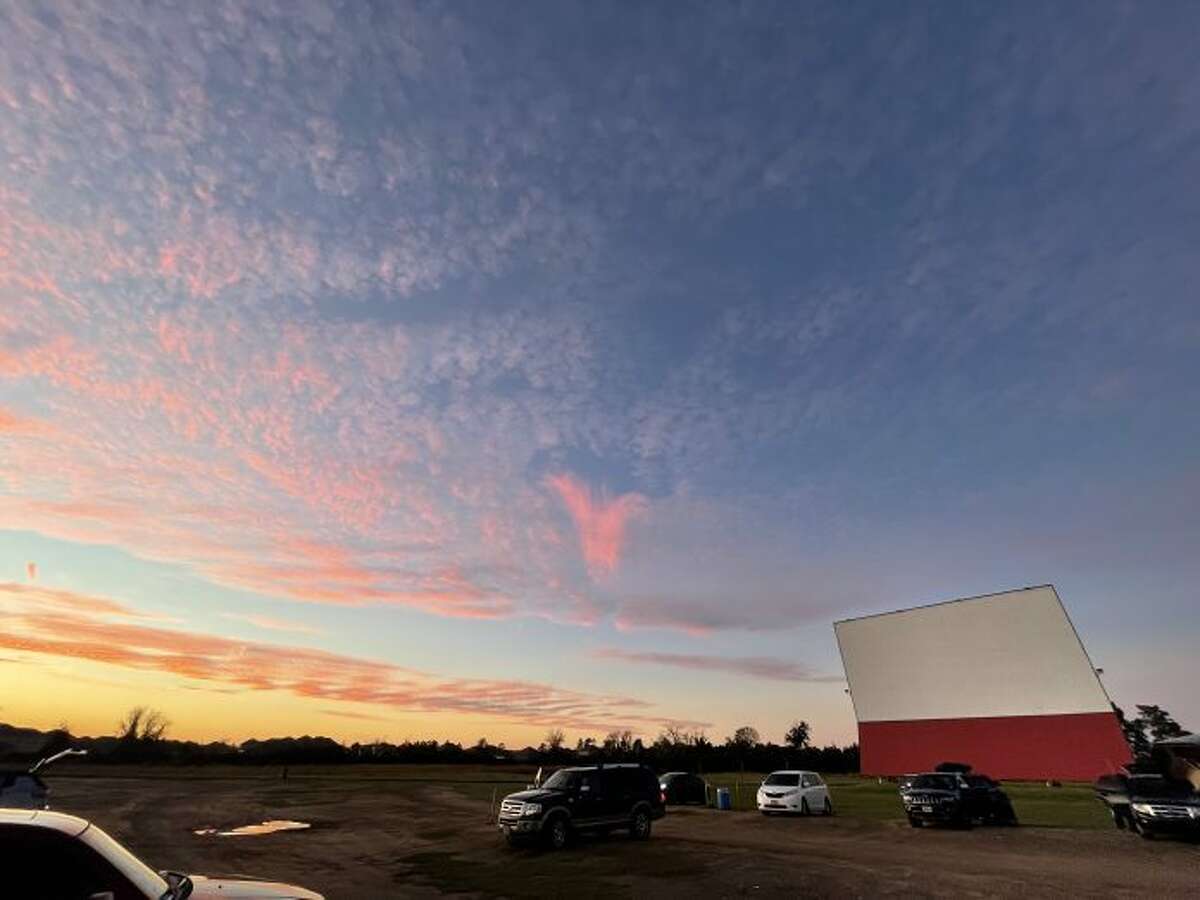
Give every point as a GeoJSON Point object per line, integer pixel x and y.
{"type": "Point", "coordinates": [376, 836]}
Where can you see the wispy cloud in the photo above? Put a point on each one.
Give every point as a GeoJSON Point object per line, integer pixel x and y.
{"type": "Point", "coordinates": [271, 623]}
{"type": "Point", "coordinates": [77, 626]}
{"type": "Point", "coordinates": [351, 714]}
{"type": "Point", "coordinates": [765, 667]}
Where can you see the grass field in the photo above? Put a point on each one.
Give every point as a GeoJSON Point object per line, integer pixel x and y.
{"type": "Point", "coordinates": [1069, 806]}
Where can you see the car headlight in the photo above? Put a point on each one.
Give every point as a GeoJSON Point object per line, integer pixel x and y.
{"type": "Point", "coordinates": [531, 809]}
{"type": "Point", "coordinates": [1144, 808]}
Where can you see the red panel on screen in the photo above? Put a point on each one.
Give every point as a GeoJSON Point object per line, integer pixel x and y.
{"type": "Point", "coordinates": [1074, 747]}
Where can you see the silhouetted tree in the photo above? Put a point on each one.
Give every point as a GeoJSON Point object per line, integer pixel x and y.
{"type": "Point", "coordinates": [1159, 723]}
{"type": "Point", "coordinates": [798, 735]}
{"type": "Point", "coordinates": [1152, 723]}
{"type": "Point", "coordinates": [745, 737]}
{"type": "Point", "coordinates": [554, 740]}
{"type": "Point", "coordinates": [143, 724]}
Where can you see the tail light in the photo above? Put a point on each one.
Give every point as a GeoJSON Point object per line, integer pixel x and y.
{"type": "Point", "coordinates": [662, 797]}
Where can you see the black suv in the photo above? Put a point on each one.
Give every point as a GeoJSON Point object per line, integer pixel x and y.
{"type": "Point", "coordinates": [586, 798]}
{"type": "Point", "coordinates": [955, 798]}
{"type": "Point", "coordinates": [1150, 804]}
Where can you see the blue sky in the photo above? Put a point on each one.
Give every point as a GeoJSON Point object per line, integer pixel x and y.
{"type": "Point", "coordinates": [587, 358]}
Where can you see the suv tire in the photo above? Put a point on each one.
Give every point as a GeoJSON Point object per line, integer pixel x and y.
{"type": "Point", "coordinates": [828, 808]}
{"type": "Point", "coordinates": [557, 833]}
{"type": "Point", "coordinates": [639, 828]}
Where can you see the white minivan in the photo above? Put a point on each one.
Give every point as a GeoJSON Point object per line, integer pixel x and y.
{"type": "Point", "coordinates": [794, 791]}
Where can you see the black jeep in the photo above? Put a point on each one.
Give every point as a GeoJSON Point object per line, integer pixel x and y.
{"type": "Point", "coordinates": [955, 798]}
{"type": "Point", "coordinates": [587, 798]}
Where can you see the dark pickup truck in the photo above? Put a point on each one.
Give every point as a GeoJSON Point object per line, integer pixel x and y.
{"type": "Point", "coordinates": [585, 798]}
{"type": "Point", "coordinates": [958, 799]}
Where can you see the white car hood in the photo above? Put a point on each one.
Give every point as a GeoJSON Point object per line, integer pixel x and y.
{"type": "Point", "coordinates": [242, 888]}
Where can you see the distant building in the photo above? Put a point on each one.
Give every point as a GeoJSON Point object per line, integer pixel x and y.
{"type": "Point", "coordinates": [1001, 682]}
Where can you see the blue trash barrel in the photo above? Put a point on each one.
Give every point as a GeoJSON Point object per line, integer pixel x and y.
{"type": "Point", "coordinates": [724, 801]}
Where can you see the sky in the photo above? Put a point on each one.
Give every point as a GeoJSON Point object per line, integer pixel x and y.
{"type": "Point", "coordinates": [411, 370]}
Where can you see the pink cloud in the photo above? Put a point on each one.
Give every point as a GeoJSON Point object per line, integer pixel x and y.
{"type": "Point", "coordinates": [11, 423]}
{"type": "Point", "coordinates": [600, 522]}
{"type": "Point", "coordinates": [265, 448]}
{"type": "Point", "coordinates": [271, 623]}
{"type": "Point", "coordinates": [76, 626]}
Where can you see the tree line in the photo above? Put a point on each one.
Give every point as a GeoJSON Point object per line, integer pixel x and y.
{"type": "Point", "coordinates": [141, 737]}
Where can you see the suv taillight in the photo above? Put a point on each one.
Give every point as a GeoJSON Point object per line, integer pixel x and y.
{"type": "Point", "coordinates": [662, 797]}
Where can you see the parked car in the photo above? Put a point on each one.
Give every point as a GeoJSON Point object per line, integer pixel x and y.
{"type": "Point", "coordinates": [792, 791]}
{"type": "Point", "coordinates": [680, 788]}
{"type": "Point", "coordinates": [956, 798]}
{"type": "Point", "coordinates": [60, 857]}
{"type": "Point", "coordinates": [1160, 792]}
{"type": "Point", "coordinates": [1151, 804]}
{"type": "Point", "coordinates": [598, 798]}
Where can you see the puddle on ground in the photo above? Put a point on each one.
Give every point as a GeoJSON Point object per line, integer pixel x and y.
{"type": "Point", "coordinates": [268, 827]}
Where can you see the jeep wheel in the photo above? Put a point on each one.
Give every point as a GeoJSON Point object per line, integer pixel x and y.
{"type": "Point", "coordinates": [558, 833]}
{"type": "Point", "coordinates": [639, 828]}
{"type": "Point", "coordinates": [804, 810]}
{"type": "Point", "coordinates": [914, 822]}
{"type": "Point", "coordinates": [828, 810]}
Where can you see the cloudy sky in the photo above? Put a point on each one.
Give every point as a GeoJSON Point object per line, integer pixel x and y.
{"type": "Point", "coordinates": [450, 369]}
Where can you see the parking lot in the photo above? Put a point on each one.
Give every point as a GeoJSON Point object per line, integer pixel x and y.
{"type": "Point", "coordinates": [395, 831]}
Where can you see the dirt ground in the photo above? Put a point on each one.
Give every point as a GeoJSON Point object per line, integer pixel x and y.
{"type": "Point", "coordinates": [393, 837]}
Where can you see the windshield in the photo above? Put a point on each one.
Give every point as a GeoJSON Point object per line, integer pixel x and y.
{"type": "Point", "coordinates": [1154, 786]}
{"type": "Point", "coordinates": [782, 779]}
{"type": "Point", "coordinates": [142, 876]}
{"type": "Point", "coordinates": [936, 782]}
{"type": "Point", "coordinates": [561, 780]}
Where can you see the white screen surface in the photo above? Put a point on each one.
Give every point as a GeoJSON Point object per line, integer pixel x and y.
{"type": "Point", "coordinates": [1011, 654]}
